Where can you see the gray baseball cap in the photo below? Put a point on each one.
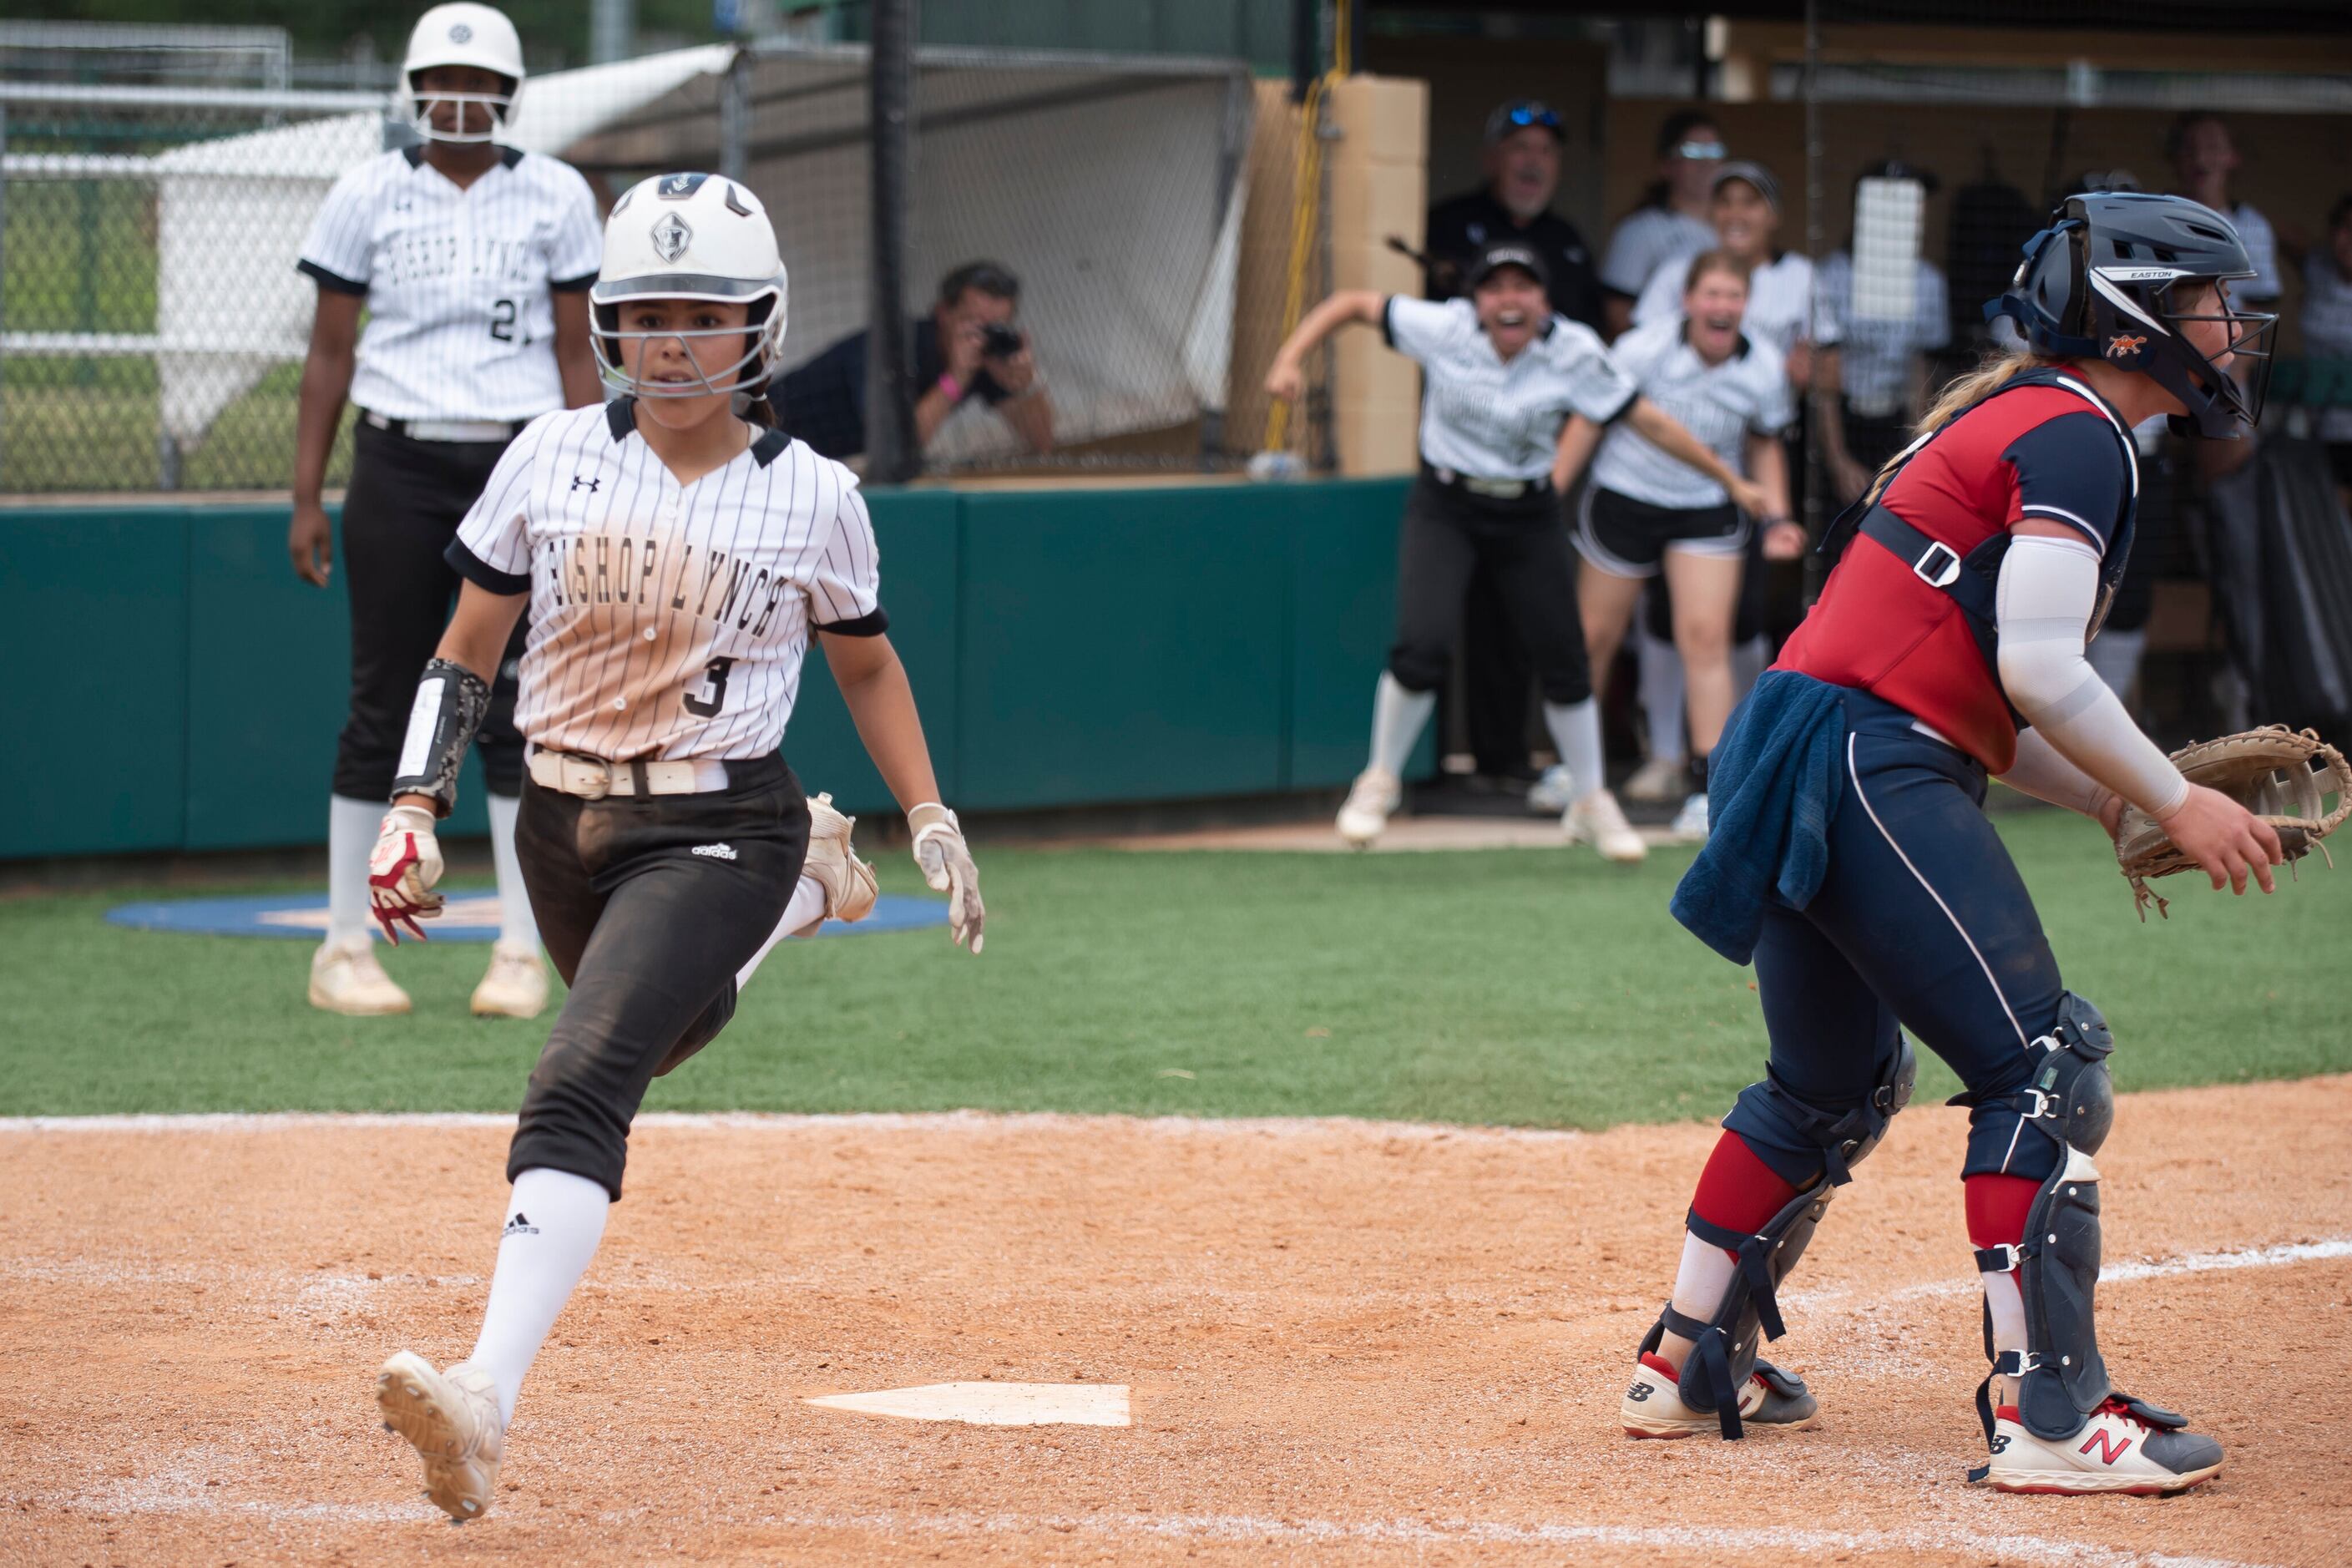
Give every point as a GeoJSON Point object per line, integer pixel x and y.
{"type": "Point", "coordinates": [1755, 174]}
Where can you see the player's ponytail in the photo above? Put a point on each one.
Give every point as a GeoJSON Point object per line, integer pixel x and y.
{"type": "Point", "coordinates": [1964, 392]}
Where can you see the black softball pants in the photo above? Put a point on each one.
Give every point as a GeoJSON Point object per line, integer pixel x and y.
{"type": "Point", "coordinates": [405, 500]}
{"type": "Point", "coordinates": [648, 906]}
{"type": "Point", "coordinates": [1446, 536]}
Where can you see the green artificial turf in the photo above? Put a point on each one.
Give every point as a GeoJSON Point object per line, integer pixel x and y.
{"type": "Point", "coordinates": [1529, 987]}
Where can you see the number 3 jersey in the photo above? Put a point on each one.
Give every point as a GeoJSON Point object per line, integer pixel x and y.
{"type": "Point", "coordinates": [460, 284]}
{"type": "Point", "coordinates": [666, 620]}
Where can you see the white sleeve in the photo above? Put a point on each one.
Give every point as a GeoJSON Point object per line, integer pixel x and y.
{"type": "Point", "coordinates": [1598, 388]}
{"type": "Point", "coordinates": [493, 545]}
{"type": "Point", "coordinates": [2261, 249]}
{"type": "Point", "coordinates": [1826, 329]}
{"type": "Point", "coordinates": [1776, 401]}
{"type": "Point", "coordinates": [1416, 328]}
{"type": "Point", "coordinates": [1626, 269]}
{"type": "Point", "coordinates": [577, 247]}
{"type": "Point", "coordinates": [339, 253]}
{"type": "Point", "coordinates": [1662, 297]}
{"type": "Point", "coordinates": [1935, 309]}
{"type": "Point", "coordinates": [2042, 771]}
{"type": "Point", "coordinates": [2049, 589]}
{"type": "Point", "coordinates": [846, 590]}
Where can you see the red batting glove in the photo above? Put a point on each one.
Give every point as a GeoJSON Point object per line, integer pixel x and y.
{"type": "Point", "coordinates": [405, 864]}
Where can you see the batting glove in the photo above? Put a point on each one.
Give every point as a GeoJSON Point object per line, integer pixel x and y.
{"type": "Point", "coordinates": [945, 860]}
{"type": "Point", "coordinates": [402, 871]}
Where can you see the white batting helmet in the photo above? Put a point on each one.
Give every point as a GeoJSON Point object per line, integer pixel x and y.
{"type": "Point", "coordinates": [464, 34]}
{"type": "Point", "coordinates": [690, 236]}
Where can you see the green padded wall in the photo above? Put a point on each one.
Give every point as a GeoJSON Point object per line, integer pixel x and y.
{"type": "Point", "coordinates": [1066, 646]}
{"type": "Point", "coordinates": [94, 642]}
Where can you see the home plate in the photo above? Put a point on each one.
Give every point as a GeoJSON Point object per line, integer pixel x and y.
{"type": "Point", "coordinates": [995, 1403]}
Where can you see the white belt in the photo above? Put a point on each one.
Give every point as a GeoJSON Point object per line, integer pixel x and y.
{"type": "Point", "coordinates": [592, 778]}
{"type": "Point", "coordinates": [447, 429]}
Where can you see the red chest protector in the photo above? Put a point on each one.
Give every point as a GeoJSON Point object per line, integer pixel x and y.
{"type": "Point", "coordinates": [1908, 611]}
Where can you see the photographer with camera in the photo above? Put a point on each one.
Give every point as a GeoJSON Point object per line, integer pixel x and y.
{"type": "Point", "coordinates": [969, 346]}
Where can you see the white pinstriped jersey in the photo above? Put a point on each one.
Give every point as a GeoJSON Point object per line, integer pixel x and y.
{"type": "Point", "coordinates": [1493, 420]}
{"type": "Point", "coordinates": [667, 620]}
{"type": "Point", "coordinates": [461, 317]}
{"type": "Point", "coordinates": [1722, 404]}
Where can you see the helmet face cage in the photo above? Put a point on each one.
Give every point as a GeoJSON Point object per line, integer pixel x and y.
{"type": "Point", "coordinates": [2087, 290]}
{"type": "Point", "coordinates": [491, 109]}
{"type": "Point", "coordinates": [750, 373]}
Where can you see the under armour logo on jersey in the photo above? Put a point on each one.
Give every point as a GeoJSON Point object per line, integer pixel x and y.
{"type": "Point", "coordinates": [2124, 346]}
{"type": "Point", "coordinates": [520, 1225]}
{"type": "Point", "coordinates": [671, 237]}
{"type": "Point", "coordinates": [461, 34]}
{"type": "Point", "coordinates": [716, 851]}
{"type": "Point", "coordinates": [587, 482]}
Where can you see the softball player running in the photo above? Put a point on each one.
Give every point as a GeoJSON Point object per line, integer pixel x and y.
{"type": "Point", "coordinates": [1645, 513]}
{"type": "Point", "coordinates": [1851, 860]}
{"type": "Point", "coordinates": [677, 561]}
{"type": "Point", "coordinates": [472, 261]}
{"type": "Point", "coordinates": [1503, 374]}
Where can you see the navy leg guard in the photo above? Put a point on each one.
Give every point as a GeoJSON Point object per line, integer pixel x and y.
{"type": "Point", "coordinates": [1723, 1353]}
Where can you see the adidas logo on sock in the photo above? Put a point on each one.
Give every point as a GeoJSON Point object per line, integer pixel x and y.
{"type": "Point", "coordinates": [716, 851]}
{"type": "Point", "coordinates": [520, 1225]}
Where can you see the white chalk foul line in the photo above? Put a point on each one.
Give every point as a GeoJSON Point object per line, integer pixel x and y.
{"type": "Point", "coordinates": [969, 1122]}
{"type": "Point", "coordinates": [2109, 1274]}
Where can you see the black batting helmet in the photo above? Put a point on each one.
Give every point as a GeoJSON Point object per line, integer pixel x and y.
{"type": "Point", "coordinates": [2099, 282]}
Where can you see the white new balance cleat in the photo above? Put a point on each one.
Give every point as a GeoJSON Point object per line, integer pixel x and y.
{"type": "Point", "coordinates": [346, 978]}
{"type": "Point", "coordinates": [2124, 1447]}
{"type": "Point", "coordinates": [1656, 781]}
{"type": "Point", "coordinates": [1690, 822]}
{"type": "Point", "coordinates": [515, 986]}
{"type": "Point", "coordinates": [1599, 821]}
{"type": "Point", "coordinates": [1653, 1404]}
{"type": "Point", "coordinates": [849, 882]}
{"type": "Point", "coordinates": [1376, 796]}
{"type": "Point", "coordinates": [452, 1419]}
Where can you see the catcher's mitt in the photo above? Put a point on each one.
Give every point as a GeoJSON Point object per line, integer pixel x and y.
{"type": "Point", "coordinates": [2281, 775]}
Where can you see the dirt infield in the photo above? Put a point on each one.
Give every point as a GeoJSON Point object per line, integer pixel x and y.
{"type": "Point", "coordinates": [1344, 1342]}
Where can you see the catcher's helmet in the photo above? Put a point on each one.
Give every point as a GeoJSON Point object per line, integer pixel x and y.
{"type": "Point", "coordinates": [690, 236]}
{"type": "Point", "coordinates": [2098, 284]}
{"type": "Point", "coordinates": [463, 34]}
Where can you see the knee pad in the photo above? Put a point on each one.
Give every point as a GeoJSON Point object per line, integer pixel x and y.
{"type": "Point", "coordinates": [1418, 670]}
{"type": "Point", "coordinates": [2071, 1100]}
{"type": "Point", "coordinates": [1726, 1344]}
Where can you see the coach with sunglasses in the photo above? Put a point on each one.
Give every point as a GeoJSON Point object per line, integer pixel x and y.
{"type": "Point", "coordinates": [1522, 161]}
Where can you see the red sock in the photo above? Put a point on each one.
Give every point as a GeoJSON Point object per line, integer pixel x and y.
{"type": "Point", "coordinates": [1997, 1208]}
{"type": "Point", "coordinates": [1740, 1192]}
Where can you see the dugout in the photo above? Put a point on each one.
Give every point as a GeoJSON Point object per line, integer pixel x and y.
{"type": "Point", "coordinates": [1231, 629]}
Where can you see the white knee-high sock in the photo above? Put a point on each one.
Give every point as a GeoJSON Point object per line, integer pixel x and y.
{"type": "Point", "coordinates": [1398, 716]}
{"type": "Point", "coordinates": [554, 1220]}
{"type": "Point", "coordinates": [516, 925]}
{"type": "Point", "coordinates": [1661, 696]}
{"type": "Point", "coordinates": [351, 828]}
{"type": "Point", "coordinates": [801, 916]}
{"type": "Point", "coordinates": [2006, 1301]}
{"type": "Point", "coordinates": [1576, 734]}
{"type": "Point", "coordinates": [1747, 662]}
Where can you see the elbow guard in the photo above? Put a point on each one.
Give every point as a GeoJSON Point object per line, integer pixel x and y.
{"type": "Point", "coordinates": [450, 703]}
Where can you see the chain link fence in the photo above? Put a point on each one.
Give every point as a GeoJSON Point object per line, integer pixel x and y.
{"type": "Point", "coordinates": [153, 326]}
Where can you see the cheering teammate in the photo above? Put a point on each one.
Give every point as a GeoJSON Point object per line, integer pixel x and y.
{"type": "Point", "coordinates": [1645, 513]}
{"type": "Point", "coordinates": [1851, 862]}
{"type": "Point", "coordinates": [677, 561]}
{"type": "Point", "coordinates": [472, 261]}
{"type": "Point", "coordinates": [1503, 372]}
